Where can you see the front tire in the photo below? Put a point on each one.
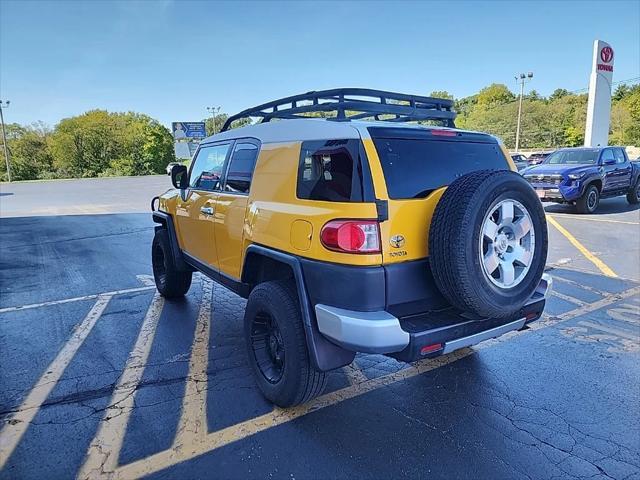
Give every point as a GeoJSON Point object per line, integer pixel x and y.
{"type": "Point", "coordinates": [633, 197]}
{"type": "Point", "coordinates": [589, 201]}
{"type": "Point", "coordinates": [170, 282]}
{"type": "Point", "coordinates": [277, 346]}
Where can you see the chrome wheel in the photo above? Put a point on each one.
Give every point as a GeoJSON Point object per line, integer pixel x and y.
{"type": "Point", "coordinates": [507, 242]}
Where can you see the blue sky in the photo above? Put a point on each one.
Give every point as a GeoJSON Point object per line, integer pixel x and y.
{"type": "Point", "coordinates": [171, 59]}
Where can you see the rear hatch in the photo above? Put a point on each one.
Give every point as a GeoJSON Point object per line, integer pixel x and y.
{"type": "Point", "coordinates": [417, 164]}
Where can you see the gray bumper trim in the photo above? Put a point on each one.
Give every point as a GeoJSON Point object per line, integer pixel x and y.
{"type": "Point", "coordinates": [369, 332]}
{"type": "Point", "coordinates": [482, 336]}
{"type": "Point", "coordinates": [380, 332]}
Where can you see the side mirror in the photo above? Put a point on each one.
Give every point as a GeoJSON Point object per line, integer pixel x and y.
{"type": "Point", "coordinates": [610, 161]}
{"type": "Point", "coordinates": [179, 177]}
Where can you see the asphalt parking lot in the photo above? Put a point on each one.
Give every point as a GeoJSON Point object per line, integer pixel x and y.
{"type": "Point", "coordinates": [102, 378]}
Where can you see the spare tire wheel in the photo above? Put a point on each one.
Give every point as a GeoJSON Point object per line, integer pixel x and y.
{"type": "Point", "coordinates": [488, 243]}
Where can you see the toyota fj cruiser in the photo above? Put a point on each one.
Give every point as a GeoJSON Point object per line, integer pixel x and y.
{"type": "Point", "coordinates": [383, 229]}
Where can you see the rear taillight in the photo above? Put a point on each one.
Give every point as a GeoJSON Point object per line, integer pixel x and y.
{"type": "Point", "coordinates": [351, 236]}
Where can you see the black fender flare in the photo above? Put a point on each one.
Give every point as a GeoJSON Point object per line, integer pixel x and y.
{"type": "Point", "coordinates": [165, 221]}
{"type": "Point", "coordinates": [324, 355]}
{"type": "Point", "coordinates": [635, 174]}
{"type": "Point", "coordinates": [590, 178]}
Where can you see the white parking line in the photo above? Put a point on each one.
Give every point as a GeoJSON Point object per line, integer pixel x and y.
{"type": "Point", "coordinates": [104, 450]}
{"type": "Point", "coordinates": [614, 331]}
{"type": "Point", "coordinates": [18, 423]}
{"type": "Point", "coordinates": [567, 298]}
{"type": "Point", "coordinates": [75, 299]}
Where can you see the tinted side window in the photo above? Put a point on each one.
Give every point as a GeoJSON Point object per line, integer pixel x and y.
{"type": "Point", "coordinates": [241, 167]}
{"type": "Point", "coordinates": [207, 167]}
{"type": "Point", "coordinates": [617, 152]}
{"type": "Point", "coordinates": [607, 155]}
{"type": "Point", "coordinates": [331, 171]}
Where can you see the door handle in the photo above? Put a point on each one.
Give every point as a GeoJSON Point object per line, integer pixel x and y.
{"type": "Point", "coordinates": [206, 210]}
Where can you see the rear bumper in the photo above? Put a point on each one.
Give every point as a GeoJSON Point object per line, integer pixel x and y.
{"type": "Point", "coordinates": [406, 339]}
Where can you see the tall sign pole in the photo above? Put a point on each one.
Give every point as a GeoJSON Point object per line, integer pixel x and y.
{"type": "Point", "coordinates": [4, 138]}
{"type": "Point", "coordinates": [521, 79]}
{"type": "Point", "coordinates": [599, 103]}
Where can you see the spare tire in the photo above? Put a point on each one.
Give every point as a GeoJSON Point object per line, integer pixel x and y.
{"type": "Point", "coordinates": [488, 243]}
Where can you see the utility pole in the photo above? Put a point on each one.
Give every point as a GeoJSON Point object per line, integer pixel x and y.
{"type": "Point", "coordinates": [522, 78]}
{"type": "Point", "coordinates": [4, 138]}
{"type": "Point", "coordinates": [213, 111]}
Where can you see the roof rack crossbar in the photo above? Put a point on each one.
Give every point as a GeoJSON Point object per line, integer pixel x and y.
{"type": "Point", "coordinates": [378, 102]}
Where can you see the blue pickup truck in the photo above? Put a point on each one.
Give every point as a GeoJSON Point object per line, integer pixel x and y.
{"type": "Point", "coordinates": [582, 176]}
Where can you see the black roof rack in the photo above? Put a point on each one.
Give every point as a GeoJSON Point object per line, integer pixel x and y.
{"type": "Point", "coordinates": [352, 104]}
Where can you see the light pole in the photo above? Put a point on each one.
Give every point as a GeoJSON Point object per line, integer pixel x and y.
{"type": "Point", "coordinates": [213, 111]}
{"type": "Point", "coordinates": [522, 78]}
{"type": "Point", "coordinates": [4, 138]}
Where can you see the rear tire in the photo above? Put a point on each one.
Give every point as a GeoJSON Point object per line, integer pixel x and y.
{"type": "Point", "coordinates": [170, 282]}
{"type": "Point", "coordinates": [488, 243]}
{"type": "Point", "coordinates": [589, 201]}
{"type": "Point", "coordinates": [277, 345]}
{"type": "Point", "coordinates": [633, 197]}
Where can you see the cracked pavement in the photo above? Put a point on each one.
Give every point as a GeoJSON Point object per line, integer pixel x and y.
{"type": "Point", "coordinates": [559, 400]}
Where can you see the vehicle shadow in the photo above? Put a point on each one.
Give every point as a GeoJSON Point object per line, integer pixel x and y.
{"type": "Point", "coordinates": [607, 206]}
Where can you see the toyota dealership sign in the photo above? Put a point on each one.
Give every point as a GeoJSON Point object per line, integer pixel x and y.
{"type": "Point", "coordinates": [599, 104]}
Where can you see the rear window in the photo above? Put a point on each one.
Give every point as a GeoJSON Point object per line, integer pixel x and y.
{"type": "Point", "coordinates": [333, 171]}
{"type": "Point", "coordinates": [415, 165]}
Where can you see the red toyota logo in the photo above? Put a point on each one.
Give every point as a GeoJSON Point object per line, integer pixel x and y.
{"type": "Point", "coordinates": [606, 54]}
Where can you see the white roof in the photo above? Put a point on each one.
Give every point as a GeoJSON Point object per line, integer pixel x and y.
{"type": "Point", "coordinates": [299, 130]}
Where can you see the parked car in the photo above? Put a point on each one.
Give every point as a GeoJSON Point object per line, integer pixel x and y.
{"type": "Point", "coordinates": [519, 160]}
{"type": "Point", "coordinates": [347, 235]}
{"type": "Point", "coordinates": [537, 158]}
{"type": "Point", "coordinates": [582, 176]}
{"type": "Point", "coordinates": [170, 166]}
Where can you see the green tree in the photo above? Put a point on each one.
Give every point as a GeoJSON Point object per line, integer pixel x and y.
{"type": "Point", "coordinates": [28, 152]}
{"type": "Point", "coordinates": [558, 93]}
{"type": "Point", "coordinates": [441, 94]}
{"type": "Point", "coordinates": [99, 143]}
{"type": "Point", "coordinates": [496, 93]}
{"type": "Point", "coordinates": [221, 118]}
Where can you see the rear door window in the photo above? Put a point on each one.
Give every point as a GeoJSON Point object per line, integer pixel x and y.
{"type": "Point", "coordinates": [415, 163]}
{"type": "Point", "coordinates": [333, 171]}
{"type": "Point", "coordinates": [619, 154]}
{"type": "Point", "coordinates": [240, 172]}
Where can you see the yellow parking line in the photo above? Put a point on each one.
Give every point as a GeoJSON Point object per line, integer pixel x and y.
{"type": "Point", "coordinates": [17, 424]}
{"type": "Point", "coordinates": [193, 421]}
{"type": "Point", "coordinates": [590, 256]}
{"type": "Point", "coordinates": [233, 433]}
{"type": "Point", "coordinates": [354, 374]}
{"type": "Point", "coordinates": [592, 219]}
{"type": "Point", "coordinates": [102, 457]}
{"type": "Point", "coordinates": [278, 416]}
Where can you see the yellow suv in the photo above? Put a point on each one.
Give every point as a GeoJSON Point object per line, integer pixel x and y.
{"type": "Point", "coordinates": [378, 228]}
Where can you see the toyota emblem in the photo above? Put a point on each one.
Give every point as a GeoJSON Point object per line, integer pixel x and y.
{"type": "Point", "coordinates": [606, 54]}
{"type": "Point", "coordinates": [397, 241]}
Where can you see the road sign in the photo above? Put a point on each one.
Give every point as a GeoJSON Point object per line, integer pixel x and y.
{"type": "Point", "coordinates": [185, 130]}
{"type": "Point", "coordinates": [599, 103]}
